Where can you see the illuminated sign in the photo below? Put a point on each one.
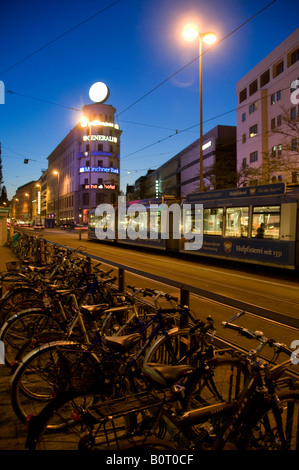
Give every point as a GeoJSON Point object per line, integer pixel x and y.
{"type": "Point", "coordinates": [207, 145]}
{"type": "Point", "coordinates": [102, 138]}
{"type": "Point", "coordinates": [38, 202]}
{"type": "Point", "coordinates": [99, 186]}
{"type": "Point", "coordinates": [86, 169]}
{"type": "Point", "coordinates": [99, 92]}
{"type": "Point", "coordinates": [85, 123]}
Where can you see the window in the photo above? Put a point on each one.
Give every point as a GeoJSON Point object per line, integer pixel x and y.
{"type": "Point", "coordinates": [253, 131]}
{"type": "Point", "coordinates": [213, 221]}
{"type": "Point", "coordinates": [252, 87]}
{"type": "Point", "coordinates": [243, 95]}
{"type": "Point", "coordinates": [294, 144]}
{"type": "Point", "coordinates": [293, 113]}
{"type": "Point", "coordinates": [273, 151]}
{"type": "Point", "coordinates": [279, 150]}
{"type": "Point", "coordinates": [278, 69]}
{"type": "Point", "coordinates": [85, 199]}
{"type": "Point", "coordinates": [294, 176]}
{"type": "Point", "coordinates": [273, 98]}
{"type": "Point", "coordinates": [100, 147]}
{"type": "Point", "coordinates": [100, 181]}
{"type": "Point", "coordinates": [253, 157]}
{"type": "Point", "coordinates": [266, 222]}
{"type": "Point", "coordinates": [236, 222]}
{"type": "Point", "coordinates": [243, 117]}
{"type": "Point", "coordinates": [87, 148]}
{"type": "Point", "coordinates": [252, 107]}
{"type": "Point", "coordinates": [278, 95]}
{"type": "Point", "coordinates": [244, 162]}
{"type": "Point", "coordinates": [279, 120]}
{"type": "Point", "coordinates": [272, 124]}
{"type": "Point", "coordinates": [87, 163]}
{"type": "Point", "coordinates": [244, 139]}
{"type": "Point", "coordinates": [100, 162]}
{"type": "Point", "coordinates": [265, 78]}
{"type": "Point", "coordinates": [85, 180]}
{"type": "Point", "coordinates": [293, 57]}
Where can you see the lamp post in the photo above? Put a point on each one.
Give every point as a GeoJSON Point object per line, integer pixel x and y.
{"type": "Point", "coordinates": [190, 33]}
{"type": "Point", "coordinates": [55, 172]}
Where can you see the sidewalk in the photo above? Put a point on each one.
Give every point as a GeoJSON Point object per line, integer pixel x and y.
{"type": "Point", "coordinates": [12, 431]}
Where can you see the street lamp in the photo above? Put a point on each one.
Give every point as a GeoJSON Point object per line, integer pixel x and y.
{"type": "Point", "coordinates": [190, 33]}
{"type": "Point", "coordinates": [55, 172]}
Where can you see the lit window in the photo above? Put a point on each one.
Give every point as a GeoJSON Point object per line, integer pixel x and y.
{"type": "Point", "coordinates": [253, 131]}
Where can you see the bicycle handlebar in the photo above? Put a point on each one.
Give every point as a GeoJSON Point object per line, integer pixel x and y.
{"type": "Point", "coordinates": [153, 292]}
{"type": "Point", "coordinates": [258, 335]}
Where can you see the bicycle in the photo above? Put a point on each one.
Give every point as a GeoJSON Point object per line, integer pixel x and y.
{"type": "Point", "coordinates": [264, 416]}
{"type": "Point", "coordinates": [36, 375]}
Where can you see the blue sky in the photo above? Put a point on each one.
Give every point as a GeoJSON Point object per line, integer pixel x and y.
{"type": "Point", "coordinates": [52, 52]}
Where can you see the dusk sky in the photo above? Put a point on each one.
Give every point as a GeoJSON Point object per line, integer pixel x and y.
{"type": "Point", "coordinates": [52, 52]}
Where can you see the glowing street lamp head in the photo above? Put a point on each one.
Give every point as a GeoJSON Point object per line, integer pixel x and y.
{"type": "Point", "coordinates": [99, 92]}
{"type": "Point", "coordinates": [209, 38]}
{"type": "Point", "coordinates": [190, 32]}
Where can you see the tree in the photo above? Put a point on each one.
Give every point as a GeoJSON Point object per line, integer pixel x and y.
{"type": "Point", "coordinates": [283, 156]}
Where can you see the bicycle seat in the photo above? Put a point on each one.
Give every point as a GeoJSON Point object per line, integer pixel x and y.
{"type": "Point", "coordinates": [94, 310]}
{"type": "Point", "coordinates": [122, 343]}
{"type": "Point", "coordinates": [166, 375]}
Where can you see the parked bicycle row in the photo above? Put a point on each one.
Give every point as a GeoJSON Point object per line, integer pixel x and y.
{"type": "Point", "coordinates": [95, 368]}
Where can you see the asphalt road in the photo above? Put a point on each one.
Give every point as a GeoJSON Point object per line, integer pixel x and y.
{"type": "Point", "coordinates": [272, 289]}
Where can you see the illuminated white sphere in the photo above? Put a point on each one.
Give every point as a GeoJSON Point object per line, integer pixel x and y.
{"type": "Point", "coordinates": [99, 92]}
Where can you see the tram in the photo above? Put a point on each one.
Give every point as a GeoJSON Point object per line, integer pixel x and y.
{"type": "Point", "coordinates": [254, 224]}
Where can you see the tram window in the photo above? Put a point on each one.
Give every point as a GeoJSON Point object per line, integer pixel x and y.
{"type": "Point", "coordinates": [213, 221]}
{"type": "Point", "coordinates": [266, 222]}
{"type": "Point", "coordinates": [236, 222]}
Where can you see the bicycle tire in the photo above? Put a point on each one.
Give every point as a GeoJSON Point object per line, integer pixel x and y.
{"type": "Point", "coordinates": [46, 369]}
{"type": "Point", "coordinates": [10, 299]}
{"type": "Point", "coordinates": [169, 349]}
{"type": "Point", "coordinates": [64, 424]}
{"type": "Point", "coordinates": [23, 327]}
{"type": "Point", "coordinates": [220, 380]}
{"type": "Point", "coordinates": [262, 430]}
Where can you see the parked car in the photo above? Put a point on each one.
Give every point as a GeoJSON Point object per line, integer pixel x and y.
{"type": "Point", "coordinates": [38, 226]}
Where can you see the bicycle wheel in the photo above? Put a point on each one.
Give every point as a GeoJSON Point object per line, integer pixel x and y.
{"type": "Point", "coordinates": [10, 299]}
{"type": "Point", "coordinates": [61, 365]}
{"type": "Point", "coordinates": [66, 424]}
{"type": "Point", "coordinates": [220, 380]}
{"type": "Point", "coordinates": [170, 349]}
{"type": "Point", "coordinates": [264, 433]}
{"type": "Point", "coordinates": [25, 326]}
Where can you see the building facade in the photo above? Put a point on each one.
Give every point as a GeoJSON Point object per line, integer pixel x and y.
{"type": "Point", "coordinates": [83, 171]}
{"type": "Point", "coordinates": [267, 119]}
{"type": "Point", "coordinates": [180, 175]}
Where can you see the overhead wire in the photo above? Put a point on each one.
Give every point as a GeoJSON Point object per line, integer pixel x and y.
{"type": "Point", "coordinates": [60, 36]}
